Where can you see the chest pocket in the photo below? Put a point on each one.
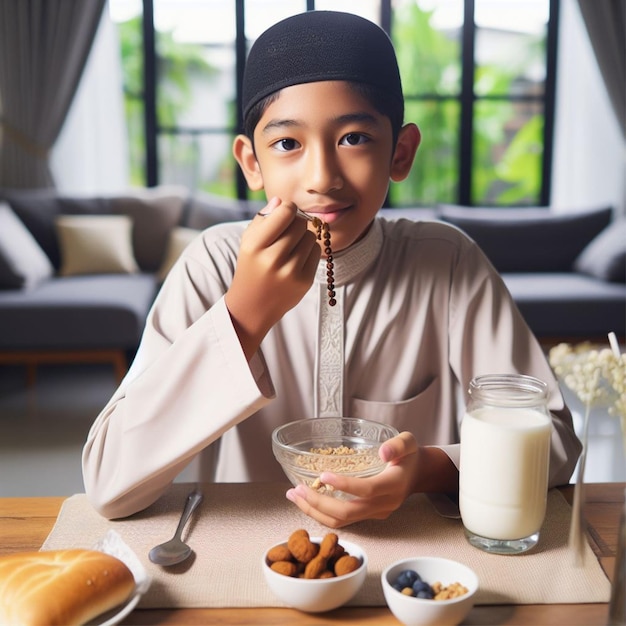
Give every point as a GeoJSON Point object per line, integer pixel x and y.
{"type": "Point", "coordinates": [418, 414]}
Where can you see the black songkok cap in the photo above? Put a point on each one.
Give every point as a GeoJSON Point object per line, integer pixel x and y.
{"type": "Point", "coordinates": [317, 46]}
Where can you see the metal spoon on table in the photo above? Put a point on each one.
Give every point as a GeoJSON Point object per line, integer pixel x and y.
{"type": "Point", "coordinates": [176, 550]}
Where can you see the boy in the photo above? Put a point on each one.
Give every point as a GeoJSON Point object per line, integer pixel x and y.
{"type": "Point", "coordinates": [241, 337]}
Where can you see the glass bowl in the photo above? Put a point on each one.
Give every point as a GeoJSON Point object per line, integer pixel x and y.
{"type": "Point", "coordinates": [342, 445]}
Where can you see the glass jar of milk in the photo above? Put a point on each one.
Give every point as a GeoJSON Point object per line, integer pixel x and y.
{"type": "Point", "coordinates": [504, 463]}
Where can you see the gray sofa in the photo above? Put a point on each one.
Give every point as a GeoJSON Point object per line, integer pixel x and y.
{"type": "Point", "coordinates": [566, 272]}
{"type": "Point", "coordinates": [87, 313]}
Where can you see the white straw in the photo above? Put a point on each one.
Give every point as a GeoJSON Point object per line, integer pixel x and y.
{"type": "Point", "coordinates": [614, 345]}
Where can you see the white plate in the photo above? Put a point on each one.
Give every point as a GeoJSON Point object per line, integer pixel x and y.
{"type": "Point", "coordinates": [116, 615]}
{"type": "Point", "coordinates": [113, 544]}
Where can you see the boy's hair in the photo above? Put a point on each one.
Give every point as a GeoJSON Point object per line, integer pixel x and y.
{"type": "Point", "coordinates": [320, 46]}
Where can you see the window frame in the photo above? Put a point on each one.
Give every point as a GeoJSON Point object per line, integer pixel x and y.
{"type": "Point", "coordinates": [467, 99]}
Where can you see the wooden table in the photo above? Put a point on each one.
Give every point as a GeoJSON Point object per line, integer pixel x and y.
{"type": "Point", "coordinates": [26, 522]}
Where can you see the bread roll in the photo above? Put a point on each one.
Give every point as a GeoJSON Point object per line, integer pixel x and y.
{"type": "Point", "coordinates": [61, 587]}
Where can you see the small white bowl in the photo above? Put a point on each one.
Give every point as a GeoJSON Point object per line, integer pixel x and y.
{"type": "Point", "coordinates": [420, 611]}
{"type": "Point", "coordinates": [317, 595]}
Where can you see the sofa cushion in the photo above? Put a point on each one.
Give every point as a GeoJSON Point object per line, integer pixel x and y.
{"type": "Point", "coordinates": [568, 304]}
{"type": "Point", "coordinates": [178, 240]}
{"type": "Point", "coordinates": [39, 208]}
{"type": "Point", "coordinates": [155, 212]}
{"type": "Point", "coordinates": [204, 210]}
{"type": "Point", "coordinates": [23, 264]}
{"type": "Point", "coordinates": [95, 244]}
{"type": "Point", "coordinates": [605, 256]}
{"type": "Point", "coordinates": [77, 312]}
{"type": "Point", "coordinates": [415, 214]}
{"type": "Point", "coordinates": [531, 239]}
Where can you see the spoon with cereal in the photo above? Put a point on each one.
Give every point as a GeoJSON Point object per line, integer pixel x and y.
{"type": "Point", "coordinates": [323, 232]}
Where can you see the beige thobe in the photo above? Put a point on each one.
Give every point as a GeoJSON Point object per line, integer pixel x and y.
{"type": "Point", "coordinates": [420, 312]}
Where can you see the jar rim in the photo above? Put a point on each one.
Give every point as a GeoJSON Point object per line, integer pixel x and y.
{"type": "Point", "coordinates": [509, 388]}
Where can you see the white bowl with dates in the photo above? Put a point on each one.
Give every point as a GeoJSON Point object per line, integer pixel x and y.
{"type": "Point", "coordinates": [342, 445]}
{"type": "Point", "coordinates": [317, 595]}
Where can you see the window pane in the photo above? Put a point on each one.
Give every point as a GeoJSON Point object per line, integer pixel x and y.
{"type": "Point", "coordinates": [526, 16]}
{"type": "Point", "coordinates": [124, 10]}
{"type": "Point", "coordinates": [510, 51]}
{"type": "Point", "coordinates": [128, 16]}
{"type": "Point", "coordinates": [195, 44]}
{"type": "Point", "coordinates": [261, 14]}
{"type": "Point", "coordinates": [434, 175]}
{"type": "Point", "coordinates": [196, 64]}
{"type": "Point", "coordinates": [369, 9]}
{"type": "Point", "coordinates": [426, 35]}
{"type": "Point", "coordinates": [508, 151]}
{"type": "Point", "coordinates": [196, 22]}
{"type": "Point", "coordinates": [198, 161]}
{"type": "Point", "coordinates": [196, 91]}
{"type": "Point", "coordinates": [196, 86]}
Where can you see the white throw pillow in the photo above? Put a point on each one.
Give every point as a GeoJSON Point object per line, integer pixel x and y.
{"type": "Point", "coordinates": [95, 244]}
{"type": "Point", "coordinates": [605, 255]}
{"type": "Point", "coordinates": [179, 238]}
{"type": "Point", "coordinates": [23, 264]}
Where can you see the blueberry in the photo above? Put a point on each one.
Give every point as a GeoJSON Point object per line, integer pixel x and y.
{"type": "Point", "coordinates": [406, 578]}
{"type": "Point", "coordinates": [420, 585]}
{"type": "Point", "coordinates": [427, 595]}
{"type": "Point", "coordinates": [397, 587]}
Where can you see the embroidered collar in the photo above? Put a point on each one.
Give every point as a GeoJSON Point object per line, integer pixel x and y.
{"type": "Point", "coordinates": [351, 262]}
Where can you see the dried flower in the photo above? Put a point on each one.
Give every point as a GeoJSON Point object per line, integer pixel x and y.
{"type": "Point", "coordinates": [596, 376]}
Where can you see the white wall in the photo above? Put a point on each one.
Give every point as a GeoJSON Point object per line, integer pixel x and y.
{"type": "Point", "coordinates": [589, 164]}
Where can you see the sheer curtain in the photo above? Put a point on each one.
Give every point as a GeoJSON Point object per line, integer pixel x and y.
{"type": "Point", "coordinates": [91, 153]}
{"type": "Point", "coordinates": [43, 48]}
{"type": "Point", "coordinates": [588, 167]}
{"type": "Point", "coordinates": [606, 25]}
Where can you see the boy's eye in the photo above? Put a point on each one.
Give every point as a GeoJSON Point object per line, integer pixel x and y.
{"type": "Point", "coordinates": [286, 145]}
{"type": "Point", "coordinates": [354, 139]}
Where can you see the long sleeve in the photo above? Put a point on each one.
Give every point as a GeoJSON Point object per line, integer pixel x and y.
{"type": "Point", "coordinates": [422, 312]}
{"type": "Point", "coordinates": [189, 383]}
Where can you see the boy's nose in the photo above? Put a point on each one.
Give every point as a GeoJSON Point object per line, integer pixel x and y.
{"type": "Point", "coordinates": [323, 171]}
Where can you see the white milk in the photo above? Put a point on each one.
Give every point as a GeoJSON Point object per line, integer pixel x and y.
{"type": "Point", "coordinates": [504, 471]}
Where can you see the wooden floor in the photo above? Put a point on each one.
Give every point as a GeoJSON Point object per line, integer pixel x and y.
{"type": "Point", "coordinates": [43, 428]}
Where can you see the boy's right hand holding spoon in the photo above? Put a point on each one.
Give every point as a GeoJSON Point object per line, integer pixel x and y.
{"type": "Point", "coordinates": [276, 266]}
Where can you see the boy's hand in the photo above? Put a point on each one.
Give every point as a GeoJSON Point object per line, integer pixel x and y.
{"type": "Point", "coordinates": [411, 469]}
{"type": "Point", "coordinates": [277, 261]}
{"type": "Point", "coordinates": [376, 497]}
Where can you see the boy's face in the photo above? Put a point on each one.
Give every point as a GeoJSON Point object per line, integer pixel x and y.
{"type": "Point", "coordinates": [324, 148]}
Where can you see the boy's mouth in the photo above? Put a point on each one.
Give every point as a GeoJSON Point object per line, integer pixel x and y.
{"type": "Point", "coordinates": [328, 214]}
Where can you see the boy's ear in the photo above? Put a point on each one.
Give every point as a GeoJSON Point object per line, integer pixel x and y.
{"type": "Point", "coordinates": [408, 141]}
{"type": "Point", "coordinates": [244, 155]}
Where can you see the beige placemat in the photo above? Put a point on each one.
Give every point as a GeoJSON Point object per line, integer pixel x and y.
{"type": "Point", "coordinates": [236, 523]}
